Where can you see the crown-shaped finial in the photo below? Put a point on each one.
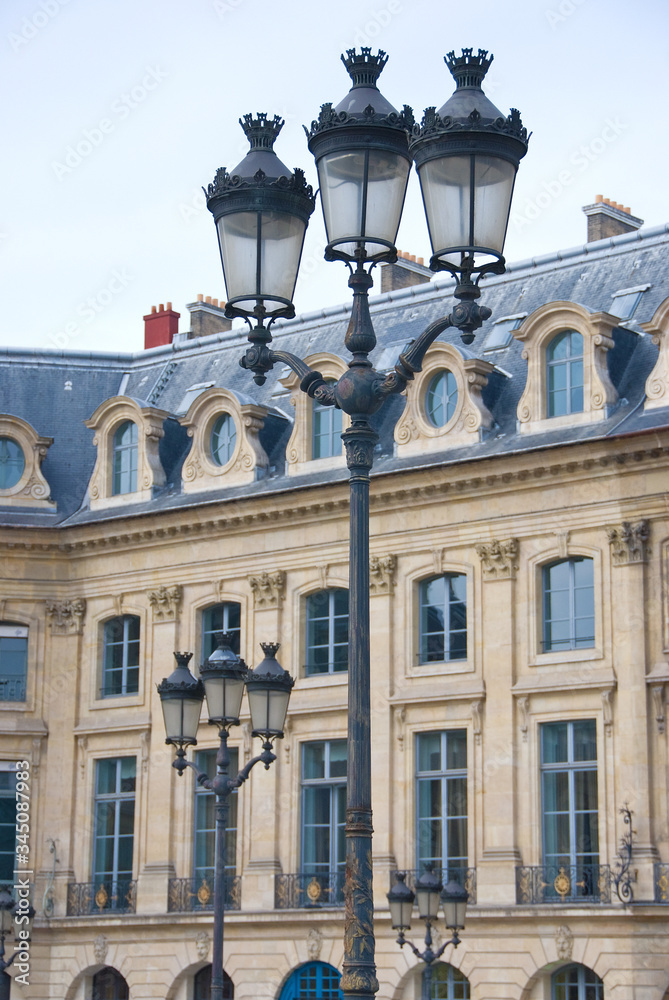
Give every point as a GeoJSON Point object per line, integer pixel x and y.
{"type": "Point", "coordinates": [468, 69]}
{"type": "Point", "coordinates": [260, 132]}
{"type": "Point", "coordinates": [364, 69]}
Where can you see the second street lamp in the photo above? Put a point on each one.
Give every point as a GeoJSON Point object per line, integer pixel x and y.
{"type": "Point", "coordinates": [224, 676]}
{"type": "Point", "coordinates": [363, 153]}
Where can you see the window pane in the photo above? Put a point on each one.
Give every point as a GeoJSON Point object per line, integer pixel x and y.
{"type": "Point", "coordinates": [314, 760]}
{"type": "Point", "coordinates": [554, 742]}
{"type": "Point", "coordinates": [338, 756]}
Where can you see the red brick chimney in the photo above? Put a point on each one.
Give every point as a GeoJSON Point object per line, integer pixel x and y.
{"type": "Point", "coordinates": [160, 326]}
{"type": "Point", "coordinates": [607, 218]}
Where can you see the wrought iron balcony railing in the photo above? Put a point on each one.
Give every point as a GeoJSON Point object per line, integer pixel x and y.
{"type": "Point", "coordinates": [563, 884]}
{"type": "Point", "coordinates": [661, 880]}
{"type": "Point", "coordinates": [12, 689]}
{"type": "Point", "coordinates": [84, 898]}
{"type": "Point", "coordinates": [185, 895]}
{"type": "Point", "coordinates": [305, 890]}
{"type": "Point", "coordinates": [465, 877]}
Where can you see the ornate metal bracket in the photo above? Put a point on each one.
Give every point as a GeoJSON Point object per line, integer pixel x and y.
{"type": "Point", "coordinates": [622, 875]}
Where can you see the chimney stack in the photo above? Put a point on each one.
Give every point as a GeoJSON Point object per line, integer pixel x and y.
{"type": "Point", "coordinates": [160, 326]}
{"type": "Point", "coordinates": [406, 272]}
{"type": "Point", "coordinates": [607, 218]}
{"type": "Point", "coordinates": [207, 316]}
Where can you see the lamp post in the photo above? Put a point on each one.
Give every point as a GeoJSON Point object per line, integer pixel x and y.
{"type": "Point", "coordinates": [467, 156]}
{"type": "Point", "coordinates": [223, 679]}
{"type": "Point", "coordinates": [429, 893]}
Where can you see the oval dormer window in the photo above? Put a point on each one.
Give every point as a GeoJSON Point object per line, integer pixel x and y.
{"type": "Point", "coordinates": [223, 439]}
{"type": "Point", "coordinates": [12, 463]}
{"type": "Point", "coordinates": [442, 398]}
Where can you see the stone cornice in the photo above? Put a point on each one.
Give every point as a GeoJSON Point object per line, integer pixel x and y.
{"type": "Point", "coordinates": [471, 476]}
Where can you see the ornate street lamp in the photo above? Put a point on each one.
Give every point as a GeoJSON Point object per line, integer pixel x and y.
{"type": "Point", "coordinates": [428, 896]}
{"type": "Point", "coordinates": [466, 162]}
{"type": "Point", "coordinates": [224, 676]}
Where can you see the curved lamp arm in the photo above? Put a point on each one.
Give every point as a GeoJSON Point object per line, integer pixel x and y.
{"type": "Point", "coordinates": [259, 359]}
{"type": "Point", "coordinates": [220, 784]}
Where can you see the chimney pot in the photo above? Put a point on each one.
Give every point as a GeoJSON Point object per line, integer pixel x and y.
{"type": "Point", "coordinates": [169, 306]}
{"type": "Point", "coordinates": [215, 302]}
{"type": "Point", "coordinates": [599, 198]}
{"type": "Point", "coordinates": [412, 258]}
{"type": "Point", "coordinates": [208, 300]}
{"type": "Point", "coordinates": [628, 210]}
{"type": "Point", "coordinates": [421, 261]}
{"type": "Point", "coordinates": [153, 310]}
{"type": "Point", "coordinates": [200, 298]}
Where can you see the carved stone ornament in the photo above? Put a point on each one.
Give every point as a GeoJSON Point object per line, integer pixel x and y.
{"type": "Point", "coordinates": [31, 488]}
{"type": "Point", "coordinates": [382, 574]}
{"type": "Point", "coordinates": [106, 420]}
{"type": "Point", "coordinates": [268, 589]}
{"type": "Point", "coordinates": [499, 560]}
{"type": "Point", "coordinates": [166, 602]}
{"type": "Point", "coordinates": [202, 945]}
{"type": "Point", "coordinates": [607, 710]}
{"type": "Point", "coordinates": [536, 333]}
{"type": "Point", "coordinates": [299, 450]}
{"type": "Point", "coordinates": [564, 943]}
{"type": "Point", "coordinates": [415, 432]}
{"type": "Point", "coordinates": [314, 944]}
{"type": "Point", "coordinates": [400, 719]}
{"type": "Point", "coordinates": [475, 708]}
{"type": "Point", "coordinates": [247, 460]}
{"type": "Point", "coordinates": [657, 693]}
{"type": "Point", "coordinates": [100, 949]}
{"type": "Point", "coordinates": [629, 542]}
{"type": "Point", "coordinates": [657, 383]}
{"type": "Point", "coordinates": [66, 617]}
{"type": "Point", "coordinates": [524, 712]}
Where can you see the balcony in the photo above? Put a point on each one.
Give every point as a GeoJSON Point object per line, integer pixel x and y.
{"type": "Point", "coordinates": [85, 898]}
{"type": "Point", "coordinates": [307, 891]}
{"type": "Point", "coordinates": [196, 895]}
{"type": "Point", "coordinates": [566, 884]}
{"type": "Point", "coordinates": [661, 882]}
{"type": "Point", "coordinates": [465, 877]}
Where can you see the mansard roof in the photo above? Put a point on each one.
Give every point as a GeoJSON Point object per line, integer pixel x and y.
{"type": "Point", "coordinates": [57, 391]}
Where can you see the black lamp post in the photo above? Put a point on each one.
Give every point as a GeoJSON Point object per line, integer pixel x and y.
{"type": "Point", "coordinates": [224, 677]}
{"type": "Point", "coordinates": [429, 893]}
{"type": "Point", "coordinates": [363, 148]}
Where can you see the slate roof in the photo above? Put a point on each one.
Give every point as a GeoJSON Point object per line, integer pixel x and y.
{"type": "Point", "coordinates": [33, 384]}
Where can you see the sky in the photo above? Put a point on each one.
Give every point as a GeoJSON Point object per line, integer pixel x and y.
{"type": "Point", "coordinates": [116, 112]}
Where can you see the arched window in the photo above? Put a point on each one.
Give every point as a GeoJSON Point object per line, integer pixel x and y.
{"type": "Point", "coordinates": [327, 632]}
{"type": "Point", "coordinates": [327, 427]}
{"type": "Point", "coordinates": [313, 981]}
{"type": "Point", "coordinates": [223, 439]}
{"type": "Point", "coordinates": [202, 985]}
{"type": "Point", "coordinates": [569, 605]}
{"type": "Point", "coordinates": [442, 398]}
{"type": "Point", "coordinates": [125, 459]}
{"type": "Point", "coordinates": [217, 618]}
{"type": "Point", "coordinates": [120, 658]}
{"type": "Point", "coordinates": [576, 982]}
{"type": "Point", "coordinates": [446, 983]}
{"type": "Point", "coordinates": [443, 618]}
{"type": "Point", "coordinates": [564, 374]}
{"type": "Point", "coordinates": [108, 984]}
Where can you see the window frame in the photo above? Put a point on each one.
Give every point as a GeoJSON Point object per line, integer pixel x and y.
{"type": "Point", "coordinates": [333, 417]}
{"type": "Point", "coordinates": [127, 619]}
{"type": "Point", "coordinates": [450, 397]}
{"type": "Point", "coordinates": [234, 630]}
{"type": "Point", "coordinates": [333, 668]}
{"type": "Point", "coordinates": [336, 809]}
{"type": "Point", "coordinates": [224, 419]}
{"type": "Point", "coordinates": [117, 797]}
{"type": "Point", "coordinates": [580, 984]}
{"type": "Point", "coordinates": [444, 776]}
{"type": "Point", "coordinates": [292, 987]}
{"type": "Point", "coordinates": [574, 643]}
{"type": "Point", "coordinates": [569, 363]}
{"type": "Point", "coordinates": [120, 476]}
{"type": "Point", "coordinates": [16, 627]}
{"type": "Point", "coordinates": [422, 584]}
{"type": "Point", "coordinates": [9, 794]}
{"type": "Point", "coordinates": [205, 835]}
{"type": "Point", "coordinates": [451, 982]}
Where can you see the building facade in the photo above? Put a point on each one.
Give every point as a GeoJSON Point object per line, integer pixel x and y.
{"type": "Point", "coordinates": [520, 643]}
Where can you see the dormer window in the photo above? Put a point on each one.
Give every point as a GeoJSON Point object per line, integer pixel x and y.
{"type": "Point", "coordinates": [626, 300]}
{"type": "Point", "coordinates": [327, 428]}
{"type": "Point", "coordinates": [501, 334]}
{"type": "Point", "coordinates": [223, 439]}
{"type": "Point", "coordinates": [125, 458]}
{"type": "Point", "coordinates": [564, 374]}
{"type": "Point", "coordinates": [12, 463]}
{"type": "Point", "coordinates": [22, 451]}
{"type": "Point", "coordinates": [442, 398]}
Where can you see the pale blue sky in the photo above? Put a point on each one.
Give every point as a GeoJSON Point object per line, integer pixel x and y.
{"type": "Point", "coordinates": [155, 88]}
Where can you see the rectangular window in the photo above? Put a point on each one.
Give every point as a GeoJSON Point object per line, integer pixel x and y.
{"type": "Point", "coordinates": [443, 618]}
{"type": "Point", "coordinates": [7, 823]}
{"type": "Point", "coordinates": [114, 827]}
{"type": "Point", "coordinates": [120, 667]}
{"type": "Point", "coordinates": [13, 662]}
{"type": "Point", "coordinates": [569, 605]}
{"type": "Point", "coordinates": [204, 860]}
{"type": "Point", "coordinates": [220, 618]}
{"type": "Point", "coordinates": [327, 632]}
{"type": "Point", "coordinates": [327, 428]}
{"type": "Point", "coordinates": [570, 808]}
{"type": "Point", "coordinates": [441, 796]}
{"type": "Point", "coordinates": [324, 813]}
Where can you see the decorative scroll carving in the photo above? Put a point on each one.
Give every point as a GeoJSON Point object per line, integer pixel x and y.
{"type": "Point", "coordinates": [499, 559]}
{"type": "Point", "coordinates": [100, 949]}
{"type": "Point", "coordinates": [475, 709]}
{"type": "Point", "coordinates": [400, 718]}
{"type": "Point", "coordinates": [31, 488]}
{"type": "Point", "coordinates": [564, 943]}
{"type": "Point", "coordinates": [66, 617]}
{"type": "Point", "coordinates": [145, 744]}
{"type": "Point", "coordinates": [382, 574]}
{"type": "Point", "coordinates": [314, 944]}
{"type": "Point", "coordinates": [323, 571]}
{"type": "Point", "coordinates": [657, 692]}
{"type": "Point", "coordinates": [562, 539]}
{"type": "Point", "coordinates": [166, 602]}
{"type": "Point", "coordinates": [36, 755]}
{"type": "Point", "coordinates": [82, 743]}
{"type": "Point", "coordinates": [629, 542]}
{"type": "Point", "coordinates": [657, 384]}
{"type": "Point", "coordinates": [202, 944]}
{"type": "Point", "coordinates": [438, 560]}
{"type": "Point", "coordinates": [524, 709]}
{"type": "Point", "coordinates": [268, 589]}
{"type": "Point", "coordinates": [117, 601]}
{"type": "Point", "coordinates": [607, 710]}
